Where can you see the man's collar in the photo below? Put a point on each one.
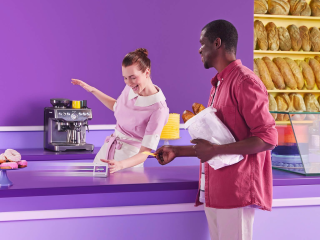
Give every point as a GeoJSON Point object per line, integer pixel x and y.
{"type": "Point", "coordinates": [144, 101]}
{"type": "Point", "coordinates": [225, 72]}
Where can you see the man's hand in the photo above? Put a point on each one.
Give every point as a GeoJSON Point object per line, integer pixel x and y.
{"type": "Point", "coordinates": [165, 154]}
{"type": "Point", "coordinates": [204, 149]}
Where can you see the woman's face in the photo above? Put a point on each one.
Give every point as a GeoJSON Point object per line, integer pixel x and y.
{"type": "Point", "coordinates": [135, 78]}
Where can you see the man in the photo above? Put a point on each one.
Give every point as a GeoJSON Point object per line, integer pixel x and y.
{"type": "Point", "coordinates": [232, 193]}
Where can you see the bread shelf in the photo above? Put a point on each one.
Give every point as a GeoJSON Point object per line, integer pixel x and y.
{"type": "Point", "coordinates": [292, 91]}
{"type": "Point", "coordinates": [287, 17]}
{"type": "Point", "coordinates": [286, 52]}
{"type": "Point", "coordinates": [295, 122]}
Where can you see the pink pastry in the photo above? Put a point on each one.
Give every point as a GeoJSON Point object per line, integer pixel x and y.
{"type": "Point", "coordinates": [9, 165]}
{"type": "Point", "coordinates": [12, 155]}
{"type": "Point", "coordinates": [22, 164]}
{"type": "Point", "coordinates": [2, 158]}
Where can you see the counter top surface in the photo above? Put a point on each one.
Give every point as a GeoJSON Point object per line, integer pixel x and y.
{"type": "Point", "coordinates": [40, 154]}
{"type": "Point", "coordinates": [42, 183]}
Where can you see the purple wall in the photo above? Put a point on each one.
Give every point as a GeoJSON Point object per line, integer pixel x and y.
{"type": "Point", "coordinates": [46, 43]}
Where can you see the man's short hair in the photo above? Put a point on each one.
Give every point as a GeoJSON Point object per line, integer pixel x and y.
{"type": "Point", "coordinates": [225, 31]}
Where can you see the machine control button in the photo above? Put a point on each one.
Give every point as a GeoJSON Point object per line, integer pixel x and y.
{"type": "Point", "coordinates": [64, 114]}
{"type": "Point", "coordinates": [68, 114]}
{"type": "Point", "coordinates": [80, 114]}
{"type": "Point", "coordinates": [73, 116]}
{"type": "Point", "coordinates": [60, 114]}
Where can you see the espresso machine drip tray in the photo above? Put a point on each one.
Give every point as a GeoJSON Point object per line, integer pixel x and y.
{"type": "Point", "coordinates": [60, 147]}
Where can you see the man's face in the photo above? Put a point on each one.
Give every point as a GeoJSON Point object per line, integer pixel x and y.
{"type": "Point", "coordinates": [206, 51]}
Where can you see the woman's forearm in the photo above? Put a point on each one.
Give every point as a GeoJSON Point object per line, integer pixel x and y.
{"type": "Point", "coordinates": [134, 160]}
{"type": "Point", "coordinates": [104, 98]}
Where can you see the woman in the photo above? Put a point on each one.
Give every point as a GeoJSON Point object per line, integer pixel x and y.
{"type": "Point", "coordinates": [141, 113]}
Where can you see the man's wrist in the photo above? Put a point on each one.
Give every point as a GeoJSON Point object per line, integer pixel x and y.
{"type": "Point", "coordinates": [184, 151]}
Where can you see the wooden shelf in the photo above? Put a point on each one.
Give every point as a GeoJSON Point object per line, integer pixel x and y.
{"type": "Point", "coordinates": [289, 17]}
{"type": "Point", "coordinates": [294, 122]}
{"type": "Point", "coordinates": [286, 52]}
{"type": "Point", "coordinates": [292, 91]}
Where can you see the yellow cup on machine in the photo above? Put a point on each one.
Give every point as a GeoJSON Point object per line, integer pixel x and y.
{"type": "Point", "coordinates": [76, 104]}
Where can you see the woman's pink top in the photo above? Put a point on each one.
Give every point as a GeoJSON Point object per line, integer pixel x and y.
{"type": "Point", "coordinates": [141, 117]}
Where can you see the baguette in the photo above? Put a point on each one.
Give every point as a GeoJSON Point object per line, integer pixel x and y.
{"type": "Point", "coordinates": [284, 39]}
{"type": "Point", "coordinates": [264, 74]}
{"type": "Point", "coordinates": [197, 107]}
{"type": "Point", "coordinates": [255, 69]}
{"type": "Point", "coordinates": [297, 102]}
{"type": "Point", "coordinates": [296, 41]}
{"type": "Point", "coordinates": [315, 7]}
{"type": "Point", "coordinates": [261, 34]}
{"type": "Point", "coordinates": [286, 72]}
{"type": "Point", "coordinates": [315, 66]}
{"type": "Point", "coordinates": [278, 7]}
{"type": "Point", "coordinates": [260, 6]}
{"type": "Point", "coordinates": [315, 39]}
{"type": "Point", "coordinates": [272, 36]}
{"type": "Point", "coordinates": [307, 73]}
{"type": "Point", "coordinates": [306, 12]}
{"type": "Point", "coordinates": [305, 37]}
{"type": "Point", "coordinates": [297, 73]}
{"type": "Point", "coordinates": [283, 104]}
{"type": "Point", "coordinates": [297, 6]}
{"type": "Point", "coordinates": [275, 74]}
{"type": "Point", "coordinates": [272, 106]}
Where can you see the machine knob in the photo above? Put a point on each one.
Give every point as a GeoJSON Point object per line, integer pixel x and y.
{"type": "Point", "coordinates": [64, 114]}
{"type": "Point", "coordinates": [73, 116]}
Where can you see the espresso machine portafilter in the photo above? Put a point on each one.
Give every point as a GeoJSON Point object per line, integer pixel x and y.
{"type": "Point", "coordinates": [65, 127]}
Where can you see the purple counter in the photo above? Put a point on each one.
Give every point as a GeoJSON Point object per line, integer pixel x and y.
{"type": "Point", "coordinates": [139, 200]}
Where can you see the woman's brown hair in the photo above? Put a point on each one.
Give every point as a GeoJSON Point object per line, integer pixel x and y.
{"type": "Point", "coordinates": [140, 57]}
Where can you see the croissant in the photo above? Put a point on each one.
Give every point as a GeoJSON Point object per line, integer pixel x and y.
{"type": "Point", "coordinates": [197, 107]}
{"type": "Point", "coordinates": [187, 115]}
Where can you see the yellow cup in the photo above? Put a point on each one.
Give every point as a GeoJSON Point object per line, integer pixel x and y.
{"type": "Point", "coordinates": [76, 104]}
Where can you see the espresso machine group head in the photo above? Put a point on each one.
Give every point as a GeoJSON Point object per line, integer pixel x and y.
{"type": "Point", "coordinates": [65, 127]}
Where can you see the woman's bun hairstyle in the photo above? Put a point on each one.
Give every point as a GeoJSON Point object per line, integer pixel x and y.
{"type": "Point", "coordinates": [140, 57]}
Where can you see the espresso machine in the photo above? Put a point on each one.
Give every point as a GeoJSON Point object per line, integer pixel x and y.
{"type": "Point", "coordinates": [65, 127]}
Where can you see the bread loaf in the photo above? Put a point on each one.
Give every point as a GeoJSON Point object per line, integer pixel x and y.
{"type": "Point", "coordinates": [306, 11]}
{"type": "Point", "coordinates": [315, 66]}
{"type": "Point", "coordinates": [315, 7]}
{"type": "Point", "coordinates": [284, 39]}
{"type": "Point", "coordinates": [278, 7]}
{"type": "Point", "coordinates": [297, 102]}
{"type": "Point", "coordinates": [272, 36]}
{"type": "Point", "coordinates": [286, 72]}
{"type": "Point", "coordinates": [197, 107]}
{"type": "Point", "coordinates": [264, 74]}
{"type": "Point", "coordinates": [315, 39]}
{"type": "Point", "coordinates": [260, 6]}
{"type": "Point", "coordinates": [305, 38]}
{"type": "Point", "coordinates": [275, 74]}
{"type": "Point", "coordinates": [272, 106]}
{"type": "Point", "coordinates": [283, 103]}
{"type": "Point", "coordinates": [311, 102]}
{"type": "Point", "coordinates": [255, 69]}
{"type": "Point", "coordinates": [187, 115]}
{"type": "Point", "coordinates": [296, 41]}
{"type": "Point", "coordinates": [255, 39]}
{"type": "Point", "coordinates": [261, 35]}
{"type": "Point", "coordinates": [297, 6]}
{"type": "Point", "coordinates": [296, 71]}
{"type": "Point", "coordinates": [307, 73]}
{"type": "Point", "coordinates": [317, 58]}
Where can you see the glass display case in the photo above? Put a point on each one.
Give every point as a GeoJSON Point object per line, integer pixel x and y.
{"type": "Point", "coordinates": [298, 147]}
